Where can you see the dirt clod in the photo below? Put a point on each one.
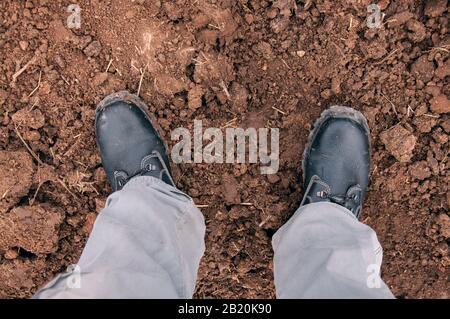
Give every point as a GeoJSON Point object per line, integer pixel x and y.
{"type": "Point", "coordinates": [440, 104]}
{"type": "Point", "coordinates": [435, 8]}
{"type": "Point", "coordinates": [16, 169]}
{"type": "Point", "coordinates": [32, 119]}
{"type": "Point", "coordinates": [399, 142]}
{"type": "Point", "coordinates": [423, 69]}
{"type": "Point", "coordinates": [33, 228]}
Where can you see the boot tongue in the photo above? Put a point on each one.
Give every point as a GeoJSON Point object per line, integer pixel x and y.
{"type": "Point", "coordinates": [351, 200]}
{"type": "Point", "coordinates": [152, 165]}
{"type": "Point", "coordinates": [319, 191]}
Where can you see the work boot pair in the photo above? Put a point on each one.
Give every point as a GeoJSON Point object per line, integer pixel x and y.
{"type": "Point", "coordinates": [336, 161]}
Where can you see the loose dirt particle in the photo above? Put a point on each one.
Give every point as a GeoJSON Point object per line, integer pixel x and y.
{"type": "Point", "coordinates": [195, 97]}
{"type": "Point", "coordinates": [400, 18]}
{"type": "Point", "coordinates": [273, 178]}
{"type": "Point", "coordinates": [23, 45]}
{"type": "Point", "coordinates": [168, 85]}
{"type": "Point", "coordinates": [3, 96]}
{"type": "Point", "coordinates": [100, 78]}
{"type": "Point", "coordinates": [443, 220]}
{"type": "Point", "coordinates": [420, 170]}
{"type": "Point", "coordinates": [423, 69]}
{"type": "Point", "coordinates": [230, 190]}
{"type": "Point", "coordinates": [93, 49]}
{"type": "Point", "coordinates": [418, 30]}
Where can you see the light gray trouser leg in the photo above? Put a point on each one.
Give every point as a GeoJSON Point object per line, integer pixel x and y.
{"type": "Point", "coordinates": [323, 251]}
{"type": "Point", "coordinates": [146, 243]}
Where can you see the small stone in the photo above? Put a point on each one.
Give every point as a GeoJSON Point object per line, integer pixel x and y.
{"type": "Point", "coordinates": [273, 178]}
{"type": "Point", "coordinates": [32, 135]}
{"type": "Point", "coordinates": [222, 97]}
{"type": "Point", "coordinates": [278, 25]}
{"type": "Point", "coordinates": [83, 41]}
{"type": "Point", "coordinates": [208, 36]}
{"type": "Point", "coordinates": [23, 45]}
{"type": "Point", "coordinates": [399, 142]}
{"type": "Point", "coordinates": [11, 254]}
{"type": "Point", "coordinates": [440, 104]}
{"type": "Point", "coordinates": [93, 49]}
{"type": "Point", "coordinates": [41, 25]}
{"type": "Point", "coordinates": [249, 18]}
{"type": "Point", "coordinates": [440, 137]}
{"type": "Point", "coordinates": [272, 13]}
{"type": "Point", "coordinates": [195, 97]}
{"type": "Point", "coordinates": [326, 94]}
{"type": "Point", "coordinates": [301, 53]}
{"type": "Point", "coordinates": [99, 205]}
{"type": "Point", "coordinates": [336, 85]}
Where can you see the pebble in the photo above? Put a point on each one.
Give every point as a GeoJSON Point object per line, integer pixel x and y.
{"type": "Point", "coordinates": [301, 53]}
{"type": "Point", "coordinates": [23, 45]}
{"type": "Point", "coordinates": [93, 49]}
{"type": "Point", "coordinates": [11, 254]}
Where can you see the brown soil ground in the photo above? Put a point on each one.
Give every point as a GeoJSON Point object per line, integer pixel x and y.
{"type": "Point", "coordinates": [219, 60]}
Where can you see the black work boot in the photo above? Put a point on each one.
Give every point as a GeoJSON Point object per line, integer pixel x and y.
{"type": "Point", "coordinates": [336, 162]}
{"type": "Point", "coordinates": [129, 142]}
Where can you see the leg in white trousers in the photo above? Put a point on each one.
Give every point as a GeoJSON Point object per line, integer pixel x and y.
{"type": "Point", "coordinates": [149, 239]}
{"type": "Point", "coordinates": [323, 251]}
{"type": "Point", "coordinates": [146, 243]}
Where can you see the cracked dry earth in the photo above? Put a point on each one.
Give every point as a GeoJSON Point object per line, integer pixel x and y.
{"type": "Point", "coordinates": [220, 61]}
